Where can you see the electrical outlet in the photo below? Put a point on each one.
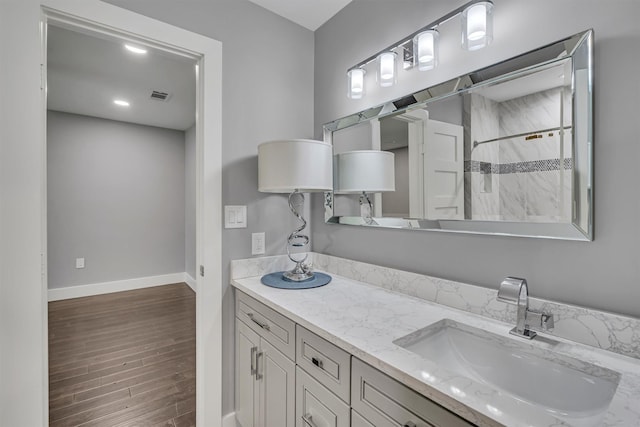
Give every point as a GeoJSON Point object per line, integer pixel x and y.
{"type": "Point", "coordinates": [257, 243]}
{"type": "Point", "coordinates": [79, 262]}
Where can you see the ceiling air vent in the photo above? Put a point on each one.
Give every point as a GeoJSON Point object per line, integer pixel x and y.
{"type": "Point", "coordinates": [159, 96]}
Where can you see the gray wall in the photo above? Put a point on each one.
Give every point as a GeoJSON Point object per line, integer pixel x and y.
{"type": "Point", "coordinates": [267, 87]}
{"type": "Point", "coordinates": [190, 201]}
{"type": "Point", "coordinates": [604, 274]}
{"type": "Point", "coordinates": [116, 196]}
{"type": "Point", "coordinates": [396, 203]}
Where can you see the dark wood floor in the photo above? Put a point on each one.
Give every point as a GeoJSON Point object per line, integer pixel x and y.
{"type": "Point", "coordinates": [123, 359]}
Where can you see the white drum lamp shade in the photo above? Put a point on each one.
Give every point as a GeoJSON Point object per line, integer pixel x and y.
{"type": "Point", "coordinates": [298, 164]}
{"type": "Point", "coordinates": [368, 171]}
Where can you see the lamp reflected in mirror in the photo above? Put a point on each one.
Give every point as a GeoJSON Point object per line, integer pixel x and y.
{"type": "Point", "coordinates": [364, 172]}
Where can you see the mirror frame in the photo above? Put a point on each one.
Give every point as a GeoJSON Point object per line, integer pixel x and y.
{"type": "Point", "coordinates": [517, 66]}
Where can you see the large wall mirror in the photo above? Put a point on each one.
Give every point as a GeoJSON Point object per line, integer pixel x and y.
{"type": "Point", "coordinates": [503, 150]}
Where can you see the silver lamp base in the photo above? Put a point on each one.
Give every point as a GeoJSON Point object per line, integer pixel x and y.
{"type": "Point", "coordinates": [299, 273]}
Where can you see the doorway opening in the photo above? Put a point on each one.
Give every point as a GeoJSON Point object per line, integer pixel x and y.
{"type": "Point", "coordinates": [110, 22]}
{"type": "Point", "coordinates": [121, 218]}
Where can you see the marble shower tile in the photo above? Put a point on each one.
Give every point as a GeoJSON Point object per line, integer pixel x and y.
{"type": "Point", "coordinates": [567, 196]}
{"type": "Point", "coordinates": [542, 195]}
{"type": "Point", "coordinates": [513, 196]}
{"type": "Point", "coordinates": [530, 113]}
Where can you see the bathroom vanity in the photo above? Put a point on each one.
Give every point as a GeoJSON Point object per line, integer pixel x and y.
{"type": "Point", "coordinates": [283, 369]}
{"type": "Point", "coordinates": [354, 354]}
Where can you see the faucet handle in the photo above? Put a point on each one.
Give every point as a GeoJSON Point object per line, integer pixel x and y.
{"type": "Point", "coordinates": [539, 321]}
{"type": "Point", "coordinates": [547, 322]}
{"type": "Point", "coordinates": [510, 289]}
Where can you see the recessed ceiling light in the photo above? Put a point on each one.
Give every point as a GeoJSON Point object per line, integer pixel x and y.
{"type": "Point", "coordinates": [135, 49]}
{"type": "Point", "coordinates": [121, 102]}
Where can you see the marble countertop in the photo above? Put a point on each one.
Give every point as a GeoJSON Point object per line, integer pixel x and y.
{"type": "Point", "coordinates": [364, 320]}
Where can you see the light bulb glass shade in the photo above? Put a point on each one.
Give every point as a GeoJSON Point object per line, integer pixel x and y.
{"type": "Point", "coordinates": [368, 171]}
{"type": "Point", "coordinates": [425, 50]}
{"type": "Point", "coordinates": [295, 164]}
{"type": "Point", "coordinates": [135, 49]}
{"type": "Point", "coordinates": [387, 69]}
{"type": "Point", "coordinates": [355, 79]}
{"type": "Point", "coordinates": [477, 25]}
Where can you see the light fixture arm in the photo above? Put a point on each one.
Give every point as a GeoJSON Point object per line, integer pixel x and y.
{"type": "Point", "coordinates": [430, 26]}
{"type": "Point", "coordinates": [296, 240]}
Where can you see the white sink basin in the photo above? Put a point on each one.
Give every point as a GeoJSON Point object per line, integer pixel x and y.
{"type": "Point", "coordinates": [563, 386]}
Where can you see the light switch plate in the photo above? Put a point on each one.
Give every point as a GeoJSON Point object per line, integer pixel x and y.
{"type": "Point", "coordinates": [257, 243]}
{"type": "Point", "coordinates": [235, 217]}
{"type": "Point", "coordinates": [79, 262]}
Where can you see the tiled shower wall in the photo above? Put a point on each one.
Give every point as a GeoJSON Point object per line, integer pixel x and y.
{"type": "Point", "coordinates": [520, 179]}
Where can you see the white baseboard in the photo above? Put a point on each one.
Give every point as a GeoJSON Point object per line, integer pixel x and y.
{"type": "Point", "coordinates": [229, 420]}
{"type": "Point", "coordinates": [189, 280]}
{"type": "Point", "coordinates": [57, 294]}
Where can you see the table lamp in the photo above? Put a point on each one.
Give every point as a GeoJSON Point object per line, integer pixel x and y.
{"type": "Point", "coordinates": [295, 166]}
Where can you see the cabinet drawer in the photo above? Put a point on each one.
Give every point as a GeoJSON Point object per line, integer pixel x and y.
{"type": "Point", "coordinates": [316, 406]}
{"type": "Point", "coordinates": [358, 421]}
{"type": "Point", "coordinates": [273, 326]}
{"type": "Point", "coordinates": [328, 364]}
{"type": "Point", "coordinates": [384, 402]}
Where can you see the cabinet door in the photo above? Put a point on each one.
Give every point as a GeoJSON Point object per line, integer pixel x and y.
{"type": "Point", "coordinates": [247, 345]}
{"type": "Point", "coordinates": [316, 406]}
{"type": "Point", "coordinates": [276, 378]}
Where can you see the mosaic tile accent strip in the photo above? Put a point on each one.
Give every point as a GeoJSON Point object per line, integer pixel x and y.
{"type": "Point", "coordinates": [519, 167]}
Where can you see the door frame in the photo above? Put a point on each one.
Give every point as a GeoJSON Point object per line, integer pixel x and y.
{"type": "Point", "coordinates": [98, 17]}
{"type": "Point", "coordinates": [417, 121]}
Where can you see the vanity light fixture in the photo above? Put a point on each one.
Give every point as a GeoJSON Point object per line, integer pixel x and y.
{"type": "Point", "coordinates": [387, 69]}
{"type": "Point", "coordinates": [295, 166]}
{"type": "Point", "coordinates": [420, 49]}
{"type": "Point", "coordinates": [425, 50]}
{"type": "Point", "coordinates": [121, 102]}
{"type": "Point", "coordinates": [356, 83]}
{"type": "Point", "coordinates": [135, 49]}
{"type": "Point", "coordinates": [477, 25]}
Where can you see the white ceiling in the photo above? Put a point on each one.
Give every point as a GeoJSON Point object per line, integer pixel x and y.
{"type": "Point", "coordinates": [310, 14]}
{"type": "Point", "coordinates": [86, 73]}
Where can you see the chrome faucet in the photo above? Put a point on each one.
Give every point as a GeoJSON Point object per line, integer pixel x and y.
{"type": "Point", "coordinates": [514, 290]}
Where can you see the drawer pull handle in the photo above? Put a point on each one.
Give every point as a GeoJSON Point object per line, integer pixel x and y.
{"type": "Point", "coordinates": [257, 322]}
{"type": "Point", "coordinates": [253, 360]}
{"type": "Point", "coordinates": [308, 420]}
{"type": "Point", "coordinates": [259, 374]}
{"type": "Point", "coordinates": [409, 424]}
{"type": "Point", "coordinates": [317, 362]}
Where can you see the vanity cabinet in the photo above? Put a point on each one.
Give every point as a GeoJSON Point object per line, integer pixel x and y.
{"type": "Point", "coordinates": [288, 376]}
{"type": "Point", "coordinates": [265, 374]}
